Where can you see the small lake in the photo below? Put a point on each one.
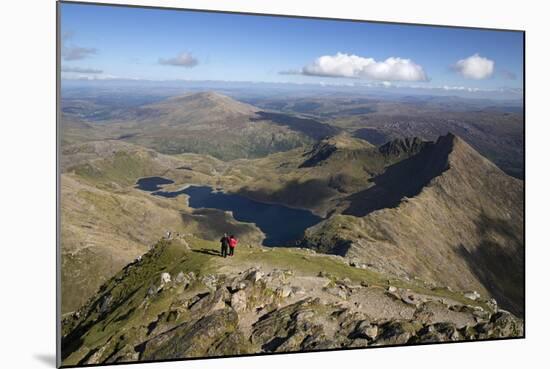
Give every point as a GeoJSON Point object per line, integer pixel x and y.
{"type": "Point", "coordinates": [281, 225]}
{"type": "Point", "coordinates": [151, 184]}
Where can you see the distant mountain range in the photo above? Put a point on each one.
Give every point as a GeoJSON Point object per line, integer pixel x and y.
{"type": "Point", "coordinates": [207, 122]}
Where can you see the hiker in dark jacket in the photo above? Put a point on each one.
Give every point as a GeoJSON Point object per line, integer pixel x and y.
{"type": "Point", "coordinates": [225, 244]}
{"type": "Point", "coordinates": [233, 241]}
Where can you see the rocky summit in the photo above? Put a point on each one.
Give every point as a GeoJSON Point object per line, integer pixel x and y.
{"type": "Point", "coordinates": [181, 300]}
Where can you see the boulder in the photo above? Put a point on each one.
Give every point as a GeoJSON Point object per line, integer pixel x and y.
{"type": "Point", "coordinates": [366, 330]}
{"type": "Point", "coordinates": [106, 304]}
{"type": "Point", "coordinates": [182, 279]}
{"type": "Point", "coordinates": [492, 304]}
{"type": "Point", "coordinates": [504, 324]}
{"type": "Point", "coordinates": [338, 292]}
{"type": "Point", "coordinates": [125, 354]}
{"type": "Point", "coordinates": [472, 295]}
{"type": "Point", "coordinates": [196, 339]}
{"type": "Point", "coordinates": [211, 302]}
{"type": "Point", "coordinates": [238, 301]}
{"type": "Point", "coordinates": [409, 299]}
{"type": "Point", "coordinates": [210, 281]}
{"type": "Point", "coordinates": [238, 285]}
{"type": "Point", "coordinates": [357, 264]}
{"type": "Point", "coordinates": [152, 291]}
{"type": "Point", "coordinates": [255, 275]}
{"type": "Point", "coordinates": [438, 332]}
{"type": "Point", "coordinates": [165, 278]}
{"type": "Point", "coordinates": [285, 291]}
{"type": "Point", "coordinates": [397, 332]}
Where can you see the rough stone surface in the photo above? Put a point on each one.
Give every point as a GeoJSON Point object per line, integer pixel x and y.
{"type": "Point", "coordinates": [238, 301]}
{"type": "Point", "coordinates": [165, 278]}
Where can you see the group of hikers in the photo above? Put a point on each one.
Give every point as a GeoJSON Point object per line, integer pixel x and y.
{"type": "Point", "coordinates": [228, 245]}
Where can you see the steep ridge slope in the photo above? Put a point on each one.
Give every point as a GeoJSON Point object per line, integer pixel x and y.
{"type": "Point", "coordinates": [496, 135]}
{"type": "Point", "coordinates": [318, 177]}
{"type": "Point", "coordinates": [448, 215]}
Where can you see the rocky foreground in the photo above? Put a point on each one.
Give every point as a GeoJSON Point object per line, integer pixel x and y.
{"type": "Point", "coordinates": [181, 300]}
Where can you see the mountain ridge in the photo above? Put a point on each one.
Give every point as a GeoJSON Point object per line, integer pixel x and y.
{"type": "Point", "coordinates": [465, 205]}
{"type": "Point", "coordinates": [200, 108]}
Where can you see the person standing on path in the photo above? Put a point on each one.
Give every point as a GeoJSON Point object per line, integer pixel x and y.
{"type": "Point", "coordinates": [233, 241]}
{"type": "Point", "coordinates": [225, 244]}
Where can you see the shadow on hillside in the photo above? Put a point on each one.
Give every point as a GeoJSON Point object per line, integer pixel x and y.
{"type": "Point", "coordinates": [309, 127]}
{"type": "Point", "coordinates": [213, 223]}
{"type": "Point", "coordinates": [372, 135]}
{"type": "Point", "coordinates": [500, 269]}
{"type": "Point", "coordinates": [208, 252]}
{"type": "Point", "coordinates": [306, 194]}
{"type": "Point", "coordinates": [403, 179]}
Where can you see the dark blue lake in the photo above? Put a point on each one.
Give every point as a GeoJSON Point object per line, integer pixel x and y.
{"type": "Point", "coordinates": [151, 184]}
{"type": "Point", "coordinates": [281, 225]}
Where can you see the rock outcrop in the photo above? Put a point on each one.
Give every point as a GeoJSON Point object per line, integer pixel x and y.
{"type": "Point", "coordinates": [263, 309]}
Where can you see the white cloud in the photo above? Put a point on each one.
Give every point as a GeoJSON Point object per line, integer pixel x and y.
{"type": "Point", "coordinates": [353, 66]}
{"type": "Point", "coordinates": [74, 52]}
{"type": "Point", "coordinates": [77, 52]}
{"type": "Point", "coordinates": [460, 88]}
{"type": "Point", "coordinates": [475, 67]}
{"type": "Point", "coordinates": [69, 69]}
{"type": "Point", "coordinates": [93, 77]}
{"type": "Point", "coordinates": [182, 60]}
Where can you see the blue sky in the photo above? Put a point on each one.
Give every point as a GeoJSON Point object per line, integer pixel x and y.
{"type": "Point", "coordinates": [101, 42]}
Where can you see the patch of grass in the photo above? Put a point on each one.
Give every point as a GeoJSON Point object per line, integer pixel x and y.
{"type": "Point", "coordinates": [306, 263]}
{"type": "Point", "coordinates": [123, 168]}
{"type": "Point", "coordinates": [128, 289]}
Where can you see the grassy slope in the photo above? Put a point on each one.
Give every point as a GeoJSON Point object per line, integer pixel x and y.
{"type": "Point", "coordinates": [102, 231]}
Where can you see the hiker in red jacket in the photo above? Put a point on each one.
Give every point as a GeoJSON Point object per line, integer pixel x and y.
{"type": "Point", "coordinates": [233, 241]}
